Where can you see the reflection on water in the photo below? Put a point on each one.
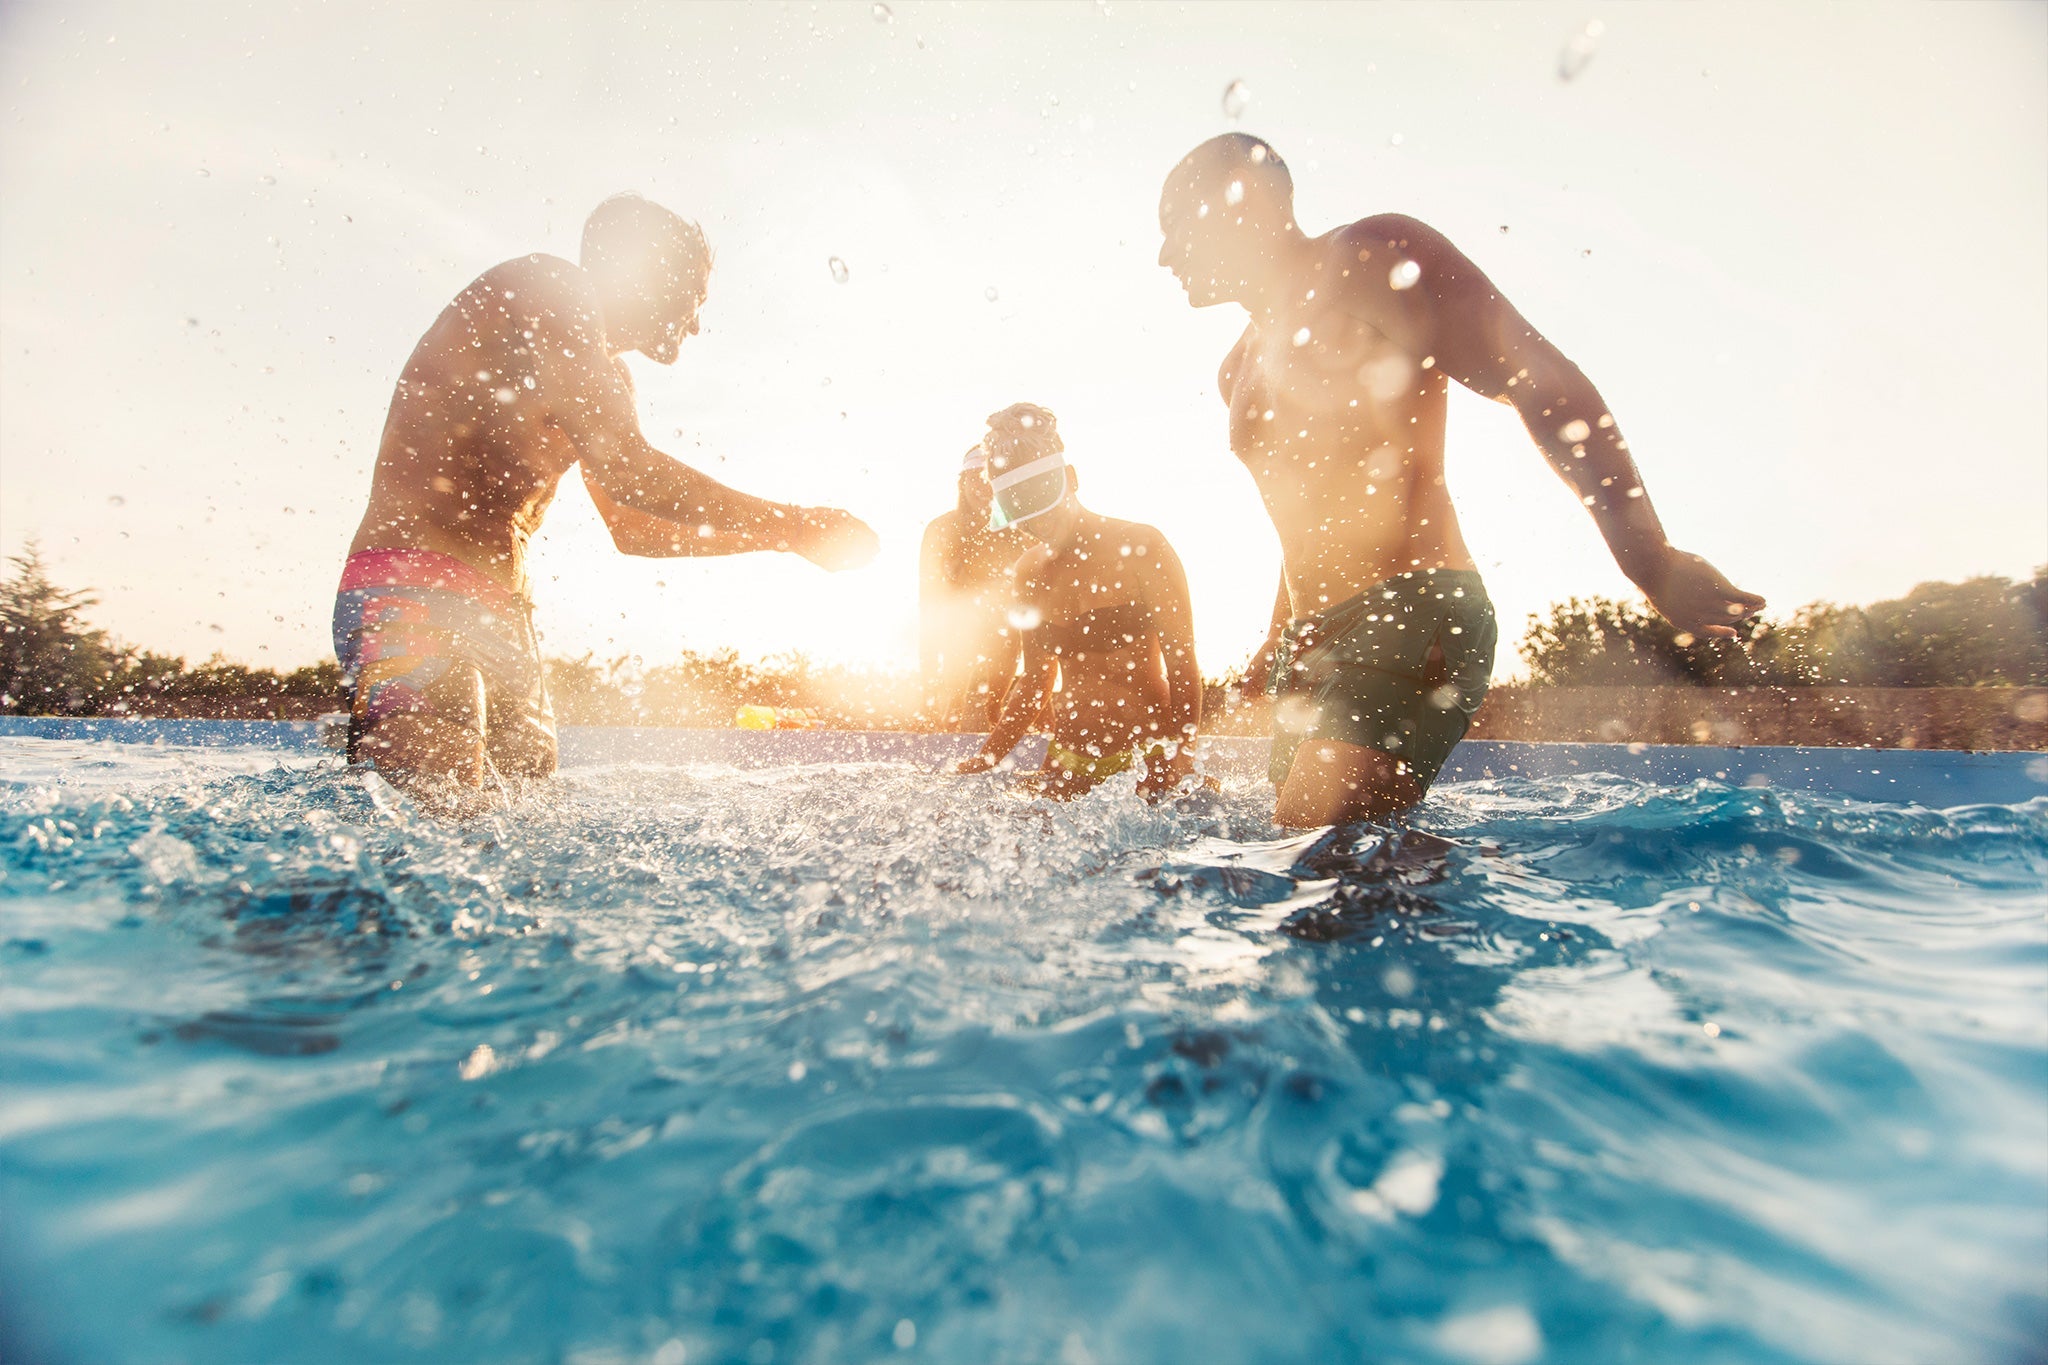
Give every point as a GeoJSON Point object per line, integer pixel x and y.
{"type": "Point", "coordinates": [829, 1063]}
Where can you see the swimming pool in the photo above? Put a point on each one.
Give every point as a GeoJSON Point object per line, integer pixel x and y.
{"type": "Point", "coordinates": [713, 1058]}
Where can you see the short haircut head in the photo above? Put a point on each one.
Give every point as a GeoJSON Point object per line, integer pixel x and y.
{"type": "Point", "coordinates": [1024, 432]}
{"type": "Point", "coordinates": [635, 238]}
{"type": "Point", "coordinates": [1234, 157]}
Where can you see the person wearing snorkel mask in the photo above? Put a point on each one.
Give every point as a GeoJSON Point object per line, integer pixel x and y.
{"type": "Point", "coordinates": [1103, 605]}
{"type": "Point", "coordinates": [1382, 635]}
{"type": "Point", "coordinates": [520, 379]}
{"type": "Point", "coordinates": [967, 651]}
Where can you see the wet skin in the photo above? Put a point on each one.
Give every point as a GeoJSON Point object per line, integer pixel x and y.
{"type": "Point", "coordinates": [519, 379]}
{"type": "Point", "coordinates": [966, 649]}
{"type": "Point", "coordinates": [1124, 685]}
{"type": "Point", "coordinates": [1337, 393]}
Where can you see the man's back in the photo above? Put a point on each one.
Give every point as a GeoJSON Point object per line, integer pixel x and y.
{"type": "Point", "coordinates": [471, 455]}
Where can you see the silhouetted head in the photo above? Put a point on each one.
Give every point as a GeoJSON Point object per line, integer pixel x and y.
{"type": "Point", "coordinates": [652, 268]}
{"type": "Point", "coordinates": [1027, 468]}
{"type": "Point", "coordinates": [1226, 213]}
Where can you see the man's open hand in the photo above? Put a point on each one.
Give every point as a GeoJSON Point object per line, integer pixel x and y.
{"type": "Point", "coordinates": [1695, 597]}
{"type": "Point", "coordinates": [834, 540]}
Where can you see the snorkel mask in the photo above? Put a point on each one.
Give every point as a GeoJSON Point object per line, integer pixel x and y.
{"type": "Point", "coordinates": [1027, 472]}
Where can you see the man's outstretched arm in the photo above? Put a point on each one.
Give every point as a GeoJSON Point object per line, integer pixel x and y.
{"type": "Point", "coordinates": [1478, 338]}
{"type": "Point", "coordinates": [651, 537]}
{"type": "Point", "coordinates": [593, 403]}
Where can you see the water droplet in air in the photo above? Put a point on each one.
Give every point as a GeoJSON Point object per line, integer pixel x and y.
{"type": "Point", "coordinates": [1404, 275]}
{"type": "Point", "coordinates": [1396, 140]}
{"type": "Point", "coordinates": [1503, 229]}
{"type": "Point", "coordinates": [990, 294]}
{"type": "Point", "coordinates": [883, 14]}
{"type": "Point", "coordinates": [116, 500]}
{"type": "Point", "coordinates": [1575, 430]}
{"type": "Point", "coordinates": [1236, 96]}
{"type": "Point", "coordinates": [1579, 50]}
{"type": "Point", "coordinates": [1301, 337]}
{"type": "Point", "coordinates": [270, 180]}
{"type": "Point", "coordinates": [1025, 618]}
{"type": "Point", "coordinates": [837, 266]}
{"type": "Point", "coordinates": [1233, 194]}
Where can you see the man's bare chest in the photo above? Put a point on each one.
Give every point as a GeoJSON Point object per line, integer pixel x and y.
{"type": "Point", "coordinates": [1317, 376]}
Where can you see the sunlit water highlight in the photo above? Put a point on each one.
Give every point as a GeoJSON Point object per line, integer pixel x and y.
{"type": "Point", "coordinates": [845, 1062]}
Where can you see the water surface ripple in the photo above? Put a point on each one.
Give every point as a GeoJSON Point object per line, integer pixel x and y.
{"type": "Point", "coordinates": [847, 1062]}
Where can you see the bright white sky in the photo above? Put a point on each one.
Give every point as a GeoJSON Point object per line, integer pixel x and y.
{"type": "Point", "coordinates": [1803, 251]}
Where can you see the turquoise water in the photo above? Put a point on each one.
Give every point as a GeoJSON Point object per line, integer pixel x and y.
{"type": "Point", "coordinates": [691, 1063]}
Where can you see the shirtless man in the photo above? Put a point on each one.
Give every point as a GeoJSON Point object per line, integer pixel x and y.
{"type": "Point", "coordinates": [1383, 637]}
{"type": "Point", "coordinates": [966, 648]}
{"type": "Point", "coordinates": [520, 378]}
{"type": "Point", "coordinates": [1113, 625]}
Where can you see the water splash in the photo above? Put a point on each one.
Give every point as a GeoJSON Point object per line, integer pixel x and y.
{"type": "Point", "coordinates": [1404, 275]}
{"type": "Point", "coordinates": [840, 274]}
{"type": "Point", "coordinates": [1237, 96]}
{"type": "Point", "coordinates": [1578, 52]}
{"type": "Point", "coordinates": [844, 1055]}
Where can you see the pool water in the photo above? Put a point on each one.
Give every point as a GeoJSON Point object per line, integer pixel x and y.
{"type": "Point", "coordinates": [691, 1063]}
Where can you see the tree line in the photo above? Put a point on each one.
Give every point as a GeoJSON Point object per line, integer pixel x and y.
{"type": "Point", "coordinates": [1986, 631]}
{"type": "Point", "coordinates": [1981, 632]}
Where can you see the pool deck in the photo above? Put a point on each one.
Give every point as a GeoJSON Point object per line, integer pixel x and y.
{"type": "Point", "coordinates": [1927, 777]}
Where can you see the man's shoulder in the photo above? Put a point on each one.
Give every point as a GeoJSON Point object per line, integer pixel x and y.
{"type": "Point", "coordinates": [1133, 533]}
{"type": "Point", "coordinates": [545, 284]}
{"type": "Point", "coordinates": [1382, 231]}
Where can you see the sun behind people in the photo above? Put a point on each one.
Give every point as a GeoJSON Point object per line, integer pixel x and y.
{"type": "Point", "coordinates": [518, 380]}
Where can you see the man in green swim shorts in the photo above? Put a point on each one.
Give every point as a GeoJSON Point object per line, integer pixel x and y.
{"type": "Point", "coordinates": [1383, 638]}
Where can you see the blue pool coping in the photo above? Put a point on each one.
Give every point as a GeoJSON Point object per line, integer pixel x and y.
{"type": "Point", "coordinates": [1927, 777]}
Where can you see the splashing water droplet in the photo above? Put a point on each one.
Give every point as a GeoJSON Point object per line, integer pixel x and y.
{"type": "Point", "coordinates": [1575, 431]}
{"type": "Point", "coordinates": [1396, 140]}
{"type": "Point", "coordinates": [1025, 618]}
{"type": "Point", "coordinates": [990, 294]}
{"type": "Point", "coordinates": [1579, 50]}
{"type": "Point", "coordinates": [116, 500]}
{"type": "Point", "coordinates": [837, 266]}
{"type": "Point", "coordinates": [1404, 275]}
{"type": "Point", "coordinates": [1503, 229]}
{"type": "Point", "coordinates": [1236, 96]}
{"type": "Point", "coordinates": [883, 14]}
{"type": "Point", "coordinates": [1301, 337]}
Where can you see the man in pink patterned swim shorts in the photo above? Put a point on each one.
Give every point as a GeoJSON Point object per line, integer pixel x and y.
{"type": "Point", "coordinates": [518, 380]}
